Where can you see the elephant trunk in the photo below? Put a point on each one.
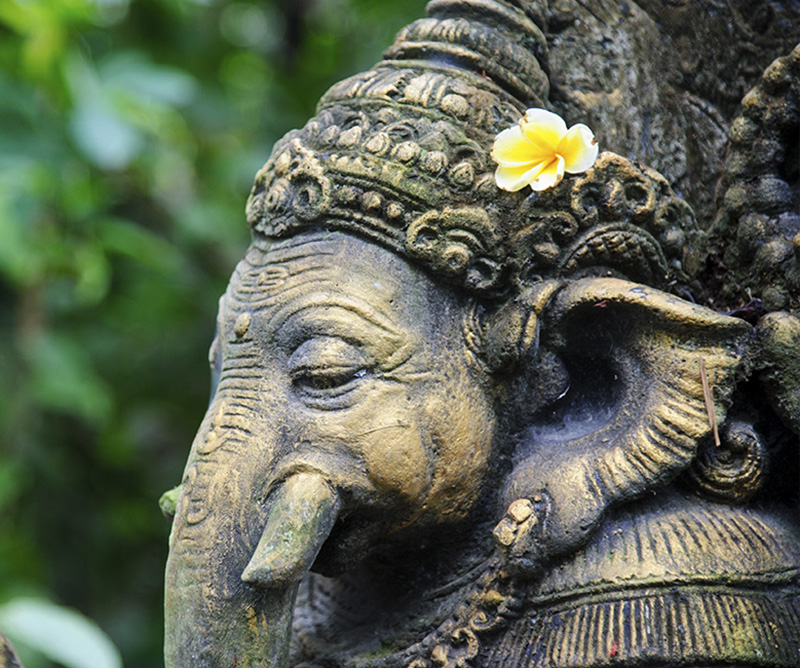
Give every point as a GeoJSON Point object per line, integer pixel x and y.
{"type": "Point", "coordinates": [236, 562]}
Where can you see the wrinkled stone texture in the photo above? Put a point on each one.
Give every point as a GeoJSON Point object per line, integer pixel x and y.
{"type": "Point", "coordinates": [756, 234]}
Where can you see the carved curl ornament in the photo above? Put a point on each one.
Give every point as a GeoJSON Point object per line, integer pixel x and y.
{"type": "Point", "coordinates": [618, 217]}
{"type": "Point", "coordinates": [404, 148]}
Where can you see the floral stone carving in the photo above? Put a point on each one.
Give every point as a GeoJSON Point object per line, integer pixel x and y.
{"type": "Point", "coordinates": [457, 425]}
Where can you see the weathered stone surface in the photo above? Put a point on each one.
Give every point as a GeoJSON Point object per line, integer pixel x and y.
{"type": "Point", "coordinates": [665, 79]}
{"type": "Point", "coordinates": [459, 426]}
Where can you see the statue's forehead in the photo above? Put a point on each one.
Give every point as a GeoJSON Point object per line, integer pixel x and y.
{"type": "Point", "coordinates": [274, 274]}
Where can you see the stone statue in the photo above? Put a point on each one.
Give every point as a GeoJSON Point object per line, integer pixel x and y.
{"type": "Point", "coordinates": [455, 424]}
{"type": "Point", "coordinates": [8, 657]}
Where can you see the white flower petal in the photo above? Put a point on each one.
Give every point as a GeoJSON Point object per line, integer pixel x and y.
{"type": "Point", "coordinates": [579, 149]}
{"type": "Point", "coordinates": [516, 178]}
{"type": "Point", "coordinates": [543, 128]}
{"type": "Point", "coordinates": [511, 148]}
{"type": "Point", "coordinates": [550, 176]}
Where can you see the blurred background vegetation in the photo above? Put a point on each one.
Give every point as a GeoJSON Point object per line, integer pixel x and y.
{"type": "Point", "coordinates": [130, 131]}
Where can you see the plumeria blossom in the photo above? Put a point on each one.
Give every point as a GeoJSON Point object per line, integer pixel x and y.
{"type": "Point", "coordinates": [539, 150]}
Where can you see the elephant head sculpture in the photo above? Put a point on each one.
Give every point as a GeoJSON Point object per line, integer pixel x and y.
{"type": "Point", "coordinates": [435, 400]}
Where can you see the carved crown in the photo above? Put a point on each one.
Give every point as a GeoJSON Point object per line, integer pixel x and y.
{"type": "Point", "coordinates": [400, 155]}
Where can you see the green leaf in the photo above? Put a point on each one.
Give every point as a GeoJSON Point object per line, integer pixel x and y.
{"type": "Point", "coordinates": [137, 242]}
{"type": "Point", "coordinates": [63, 378]}
{"type": "Point", "coordinates": [133, 73]}
{"type": "Point", "coordinates": [94, 273]}
{"type": "Point", "coordinates": [63, 635]}
{"type": "Point", "coordinates": [12, 479]}
{"type": "Point", "coordinates": [104, 137]}
{"type": "Point", "coordinates": [20, 250]}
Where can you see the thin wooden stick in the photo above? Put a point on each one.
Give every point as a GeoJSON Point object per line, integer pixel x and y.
{"type": "Point", "coordinates": [708, 398]}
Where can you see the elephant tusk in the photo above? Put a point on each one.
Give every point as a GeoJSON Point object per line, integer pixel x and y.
{"type": "Point", "coordinates": [301, 517]}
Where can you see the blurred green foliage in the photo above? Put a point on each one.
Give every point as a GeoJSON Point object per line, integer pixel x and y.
{"type": "Point", "coordinates": [45, 631]}
{"type": "Point", "coordinates": [130, 131]}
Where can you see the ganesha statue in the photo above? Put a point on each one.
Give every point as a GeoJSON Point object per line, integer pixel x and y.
{"type": "Point", "coordinates": [493, 392]}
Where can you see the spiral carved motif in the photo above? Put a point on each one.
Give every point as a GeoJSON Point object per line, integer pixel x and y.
{"type": "Point", "coordinates": [618, 216]}
{"type": "Point", "coordinates": [454, 243]}
{"type": "Point", "coordinates": [734, 471]}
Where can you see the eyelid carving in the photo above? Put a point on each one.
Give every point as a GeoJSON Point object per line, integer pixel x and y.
{"type": "Point", "coordinates": [348, 320]}
{"type": "Point", "coordinates": [327, 367]}
{"type": "Point", "coordinates": [319, 352]}
{"type": "Point", "coordinates": [330, 383]}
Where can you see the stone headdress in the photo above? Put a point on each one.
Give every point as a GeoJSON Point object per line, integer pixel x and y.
{"type": "Point", "coordinates": [400, 155]}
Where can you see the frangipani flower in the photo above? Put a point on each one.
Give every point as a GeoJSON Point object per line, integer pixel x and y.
{"type": "Point", "coordinates": [539, 150]}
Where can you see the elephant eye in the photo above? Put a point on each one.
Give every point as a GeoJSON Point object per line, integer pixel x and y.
{"type": "Point", "coordinates": [325, 367]}
{"type": "Point", "coordinates": [321, 380]}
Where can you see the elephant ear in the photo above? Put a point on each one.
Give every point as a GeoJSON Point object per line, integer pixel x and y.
{"type": "Point", "coordinates": [650, 377]}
